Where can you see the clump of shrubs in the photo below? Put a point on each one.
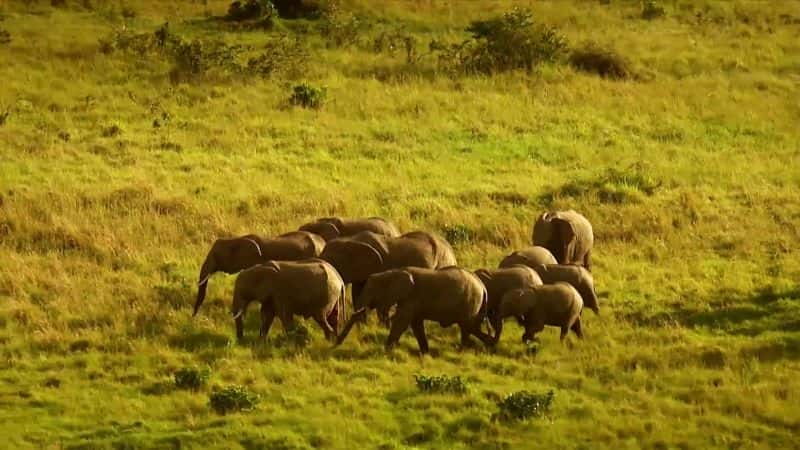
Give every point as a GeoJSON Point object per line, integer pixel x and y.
{"type": "Point", "coordinates": [458, 233]}
{"type": "Point", "coordinates": [203, 57]}
{"type": "Point", "coordinates": [510, 42]}
{"type": "Point", "coordinates": [308, 96]}
{"type": "Point", "coordinates": [257, 13]}
{"type": "Point", "coordinates": [651, 9]}
{"type": "Point", "coordinates": [523, 405]}
{"type": "Point", "coordinates": [191, 378]}
{"type": "Point", "coordinates": [232, 399]}
{"type": "Point", "coordinates": [441, 384]}
{"type": "Point", "coordinates": [303, 9]}
{"type": "Point", "coordinates": [602, 61]}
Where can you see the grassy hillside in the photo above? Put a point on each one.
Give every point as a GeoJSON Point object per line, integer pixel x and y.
{"type": "Point", "coordinates": [117, 172]}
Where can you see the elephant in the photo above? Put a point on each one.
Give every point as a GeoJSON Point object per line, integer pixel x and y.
{"type": "Point", "coordinates": [529, 256]}
{"type": "Point", "coordinates": [567, 234]}
{"type": "Point", "coordinates": [500, 281]}
{"type": "Point", "coordinates": [580, 278]}
{"type": "Point", "coordinates": [232, 255]}
{"type": "Point", "coordinates": [333, 227]}
{"type": "Point", "coordinates": [365, 253]}
{"type": "Point", "coordinates": [449, 296]}
{"type": "Point", "coordinates": [307, 288]}
{"type": "Point", "coordinates": [558, 304]}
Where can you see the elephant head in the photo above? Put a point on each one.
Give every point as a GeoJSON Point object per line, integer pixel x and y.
{"type": "Point", "coordinates": [327, 228]}
{"type": "Point", "coordinates": [353, 259]}
{"type": "Point", "coordinates": [385, 289]}
{"type": "Point", "coordinates": [229, 255]}
{"type": "Point", "coordinates": [556, 234]}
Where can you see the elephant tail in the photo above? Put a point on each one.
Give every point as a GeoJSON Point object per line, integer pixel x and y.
{"type": "Point", "coordinates": [341, 308]}
{"type": "Point", "coordinates": [205, 273]}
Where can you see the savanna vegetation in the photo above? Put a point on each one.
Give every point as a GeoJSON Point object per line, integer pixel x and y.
{"type": "Point", "coordinates": [133, 134]}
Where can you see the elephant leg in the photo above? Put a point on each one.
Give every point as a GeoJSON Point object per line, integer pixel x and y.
{"type": "Point", "coordinates": [576, 328]}
{"type": "Point", "coordinates": [478, 333]}
{"type": "Point", "coordinates": [419, 333]}
{"type": "Point", "coordinates": [239, 326]}
{"type": "Point", "coordinates": [564, 331]}
{"type": "Point", "coordinates": [400, 323]}
{"type": "Point", "coordinates": [326, 327]}
{"type": "Point", "coordinates": [267, 317]}
{"type": "Point", "coordinates": [497, 326]}
{"type": "Point", "coordinates": [466, 342]}
{"type": "Point", "coordinates": [355, 291]}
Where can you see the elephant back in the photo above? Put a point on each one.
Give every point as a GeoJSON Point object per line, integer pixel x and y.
{"type": "Point", "coordinates": [530, 257]}
{"type": "Point", "coordinates": [423, 249]}
{"type": "Point", "coordinates": [567, 234]}
{"type": "Point", "coordinates": [293, 246]}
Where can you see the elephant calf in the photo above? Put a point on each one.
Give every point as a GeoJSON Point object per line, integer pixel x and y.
{"type": "Point", "coordinates": [232, 255]}
{"type": "Point", "coordinates": [334, 227]}
{"type": "Point", "coordinates": [449, 296]}
{"type": "Point", "coordinates": [579, 277]}
{"type": "Point", "coordinates": [557, 305]}
{"type": "Point", "coordinates": [500, 281]}
{"type": "Point", "coordinates": [307, 288]}
{"type": "Point", "coordinates": [530, 256]}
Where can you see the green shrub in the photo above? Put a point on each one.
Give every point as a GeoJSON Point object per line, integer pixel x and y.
{"type": "Point", "coordinates": [441, 384]}
{"type": "Point", "coordinates": [601, 61]}
{"type": "Point", "coordinates": [523, 405]}
{"type": "Point", "coordinates": [308, 96]}
{"type": "Point", "coordinates": [651, 9]}
{"type": "Point", "coordinates": [191, 378]}
{"type": "Point", "coordinates": [458, 233]}
{"type": "Point", "coordinates": [258, 13]}
{"type": "Point", "coordinates": [302, 9]}
{"type": "Point", "coordinates": [231, 399]}
{"type": "Point", "coordinates": [509, 42]}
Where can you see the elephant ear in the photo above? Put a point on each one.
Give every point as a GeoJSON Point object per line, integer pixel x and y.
{"type": "Point", "coordinates": [566, 238]}
{"type": "Point", "coordinates": [354, 260]}
{"type": "Point", "coordinates": [514, 303]}
{"type": "Point", "coordinates": [542, 229]}
{"type": "Point", "coordinates": [400, 286]}
{"type": "Point", "coordinates": [327, 230]}
{"type": "Point", "coordinates": [271, 266]}
{"type": "Point", "coordinates": [336, 221]}
{"type": "Point", "coordinates": [483, 274]}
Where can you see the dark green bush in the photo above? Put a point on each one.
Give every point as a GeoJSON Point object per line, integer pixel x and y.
{"type": "Point", "coordinates": [458, 233]}
{"type": "Point", "coordinates": [441, 384]}
{"type": "Point", "coordinates": [257, 13]}
{"type": "Point", "coordinates": [308, 96]}
{"type": "Point", "coordinates": [601, 61]}
{"type": "Point", "coordinates": [302, 9]}
{"type": "Point", "coordinates": [651, 9]}
{"type": "Point", "coordinates": [231, 399]}
{"type": "Point", "coordinates": [523, 405]}
{"type": "Point", "coordinates": [5, 36]}
{"type": "Point", "coordinates": [509, 42]}
{"type": "Point", "coordinates": [191, 378]}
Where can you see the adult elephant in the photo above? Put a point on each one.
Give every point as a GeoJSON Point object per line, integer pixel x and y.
{"type": "Point", "coordinates": [363, 254]}
{"type": "Point", "coordinates": [334, 227]}
{"type": "Point", "coordinates": [449, 296]}
{"type": "Point", "coordinates": [567, 234]}
{"type": "Point", "coordinates": [232, 255]}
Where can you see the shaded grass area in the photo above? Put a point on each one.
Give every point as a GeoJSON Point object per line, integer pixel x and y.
{"type": "Point", "coordinates": [115, 180]}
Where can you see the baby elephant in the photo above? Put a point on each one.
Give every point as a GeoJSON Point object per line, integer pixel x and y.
{"type": "Point", "coordinates": [529, 256]}
{"type": "Point", "coordinates": [557, 305]}
{"type": "Point", "coordinates": [580, 278]}
{"type": "Point", "coordinates": [307, 288]}
{"type": "Point", "coordinates": [500, 281]}
{"type": "Point", "coordinates": [449, 296]}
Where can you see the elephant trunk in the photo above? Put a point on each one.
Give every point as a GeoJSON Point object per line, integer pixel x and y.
{"type": "Point", "coordinates": [353, 319]}
{"type": "Point", "coordinates": [205, 272]}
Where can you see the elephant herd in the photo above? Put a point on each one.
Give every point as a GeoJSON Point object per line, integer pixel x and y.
{"type": "Point", "coordinates": [407, 279]}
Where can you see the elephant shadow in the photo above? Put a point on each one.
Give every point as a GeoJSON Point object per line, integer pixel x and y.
{"type": "Point", "coordinates": [199, 340]}
{"type": "Point", "coordinates": [752, 314]}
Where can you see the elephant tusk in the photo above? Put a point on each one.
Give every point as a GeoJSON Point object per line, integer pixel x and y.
{"type": "Point", "coordinates": [204, 280]}
{"type": "Point", "coordinates": [238, 314]}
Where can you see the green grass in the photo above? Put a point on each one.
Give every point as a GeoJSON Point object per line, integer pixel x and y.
{"type": "Point", "coordinates": [688, 173]}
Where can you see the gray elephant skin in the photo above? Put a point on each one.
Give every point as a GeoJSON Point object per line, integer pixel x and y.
{"type": "Point", "coordinates": [580, 278]}
{"type": "Point", "coordinates": [365, 253]}
{"type": "Point", "coordinates": [232, 255]}
{"type": "Point", "coordinates": [448, 296]}
{"type": "Point", "coordinates": [529, 256]}
{"type": "Point", "coordinates": [557, 304]}
{"type": "Point", "coordinates": [309, 288]}
{"type": "Point", "coordinates": [333, 227]}
{"type": "Point", "coordinates": [567, 234]}
{"type": "Point", "coordinates": [500, 281]}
